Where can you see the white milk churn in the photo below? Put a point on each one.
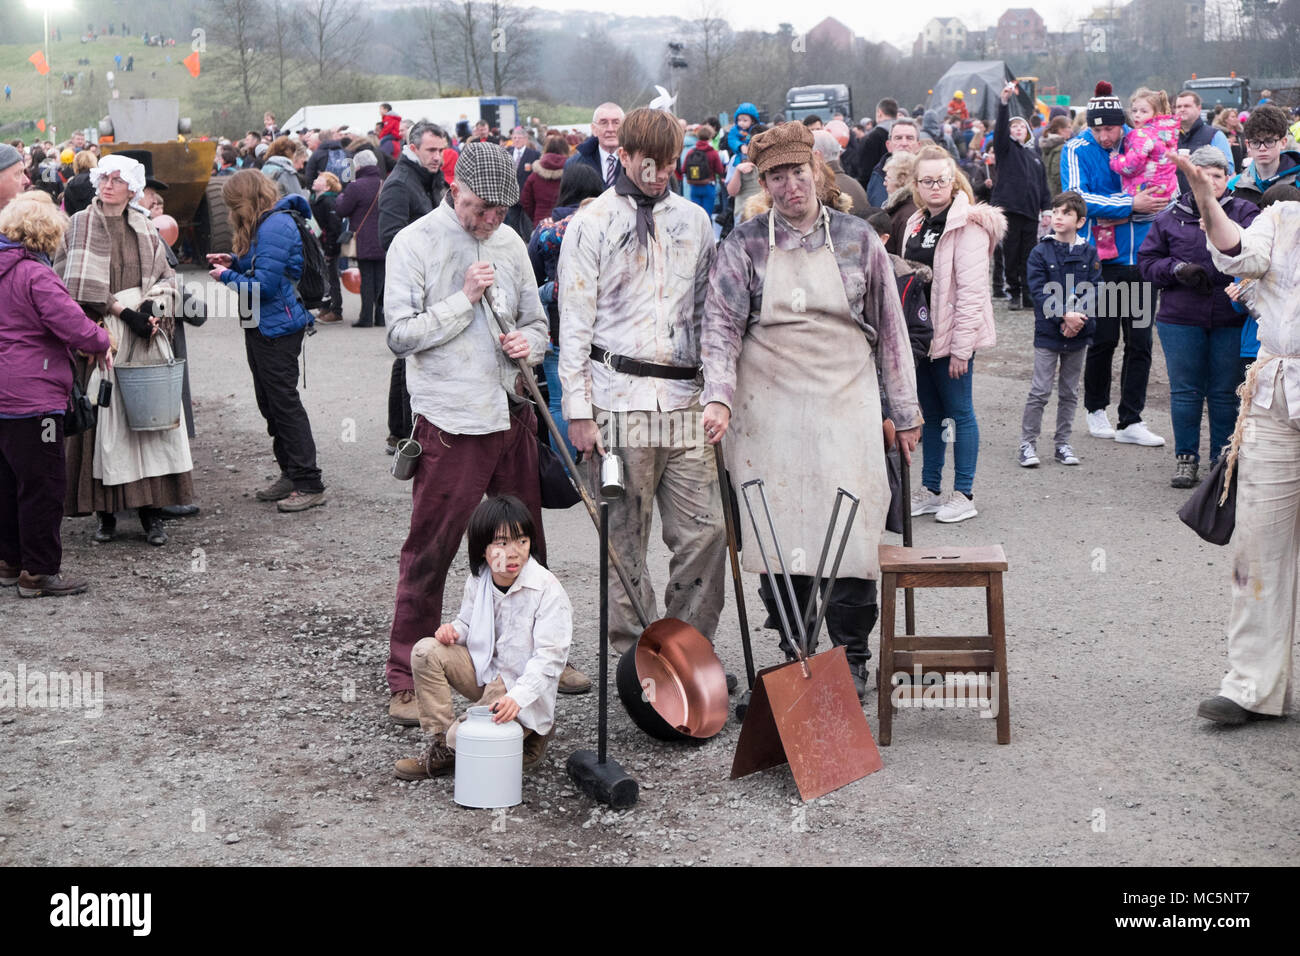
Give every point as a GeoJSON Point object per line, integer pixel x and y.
{"type": "Point", "coordinates": [489, 761]}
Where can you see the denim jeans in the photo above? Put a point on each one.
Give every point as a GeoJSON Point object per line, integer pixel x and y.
{"type": "Point", "coordinates": [1204, 368]}
{"type": "Point", "coordinates": [949, 411]}
{"type": "Point", "coordinates": [551, 366]}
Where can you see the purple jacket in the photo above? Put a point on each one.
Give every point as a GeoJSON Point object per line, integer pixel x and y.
{"type": "Point", "coordinates": [1175, 236]}
{"type": "Point", "coordinates": [40, 326]}
{"type": "Point", "coordinates": [359, 197]}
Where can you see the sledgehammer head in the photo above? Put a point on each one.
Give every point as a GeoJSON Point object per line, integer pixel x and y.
{"type": "Point", "coordinates": [605, 783]}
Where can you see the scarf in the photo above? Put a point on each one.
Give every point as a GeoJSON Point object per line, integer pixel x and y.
{"type": "Point", "coordinates": [82, 260]}
{"type": "Point", "coordinates": [482, 639]}
{"type": "Point", "coordinates": [645, 217]}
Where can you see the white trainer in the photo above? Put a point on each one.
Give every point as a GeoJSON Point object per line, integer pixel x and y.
{"type": "Point", "coordinates": [925, 502]}
{"type": "Point", "coordinates": [956, 507]}
{"type": "Point", "coordinates": [1138, 434]}
{"type": "Point", "coordinates": [1099, 425]}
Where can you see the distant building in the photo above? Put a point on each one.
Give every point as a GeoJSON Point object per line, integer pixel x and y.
{"type": "Point", "coordinates": [1021, 30]}
{"type": "Point", "coordinates": [942, 35]}
{"type": "Point", "coordinates": [830, 32]}
{"type": "Point", "coordinates": [1153, 25]}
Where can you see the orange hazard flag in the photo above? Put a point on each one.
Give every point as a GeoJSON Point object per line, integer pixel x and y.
{"type": "Point", "coordinates": [40, 125]}
{"type": "Point", "coordinates": [192, 64]}
{"type": "Point", "coordinates": [38, 60]}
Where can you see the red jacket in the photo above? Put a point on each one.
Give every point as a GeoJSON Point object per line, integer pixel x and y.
{"type": "Point", "coordinates": [542, 188]}
{"type": "Point", "coordinates": [391, 125]}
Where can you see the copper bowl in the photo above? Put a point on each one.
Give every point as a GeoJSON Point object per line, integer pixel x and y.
{"type": "Point", "coordinates": [672, 683]}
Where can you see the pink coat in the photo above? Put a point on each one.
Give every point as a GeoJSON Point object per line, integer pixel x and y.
{"type": "Point", "coordinates": [1148, 157]}
{"type": "Point", "coordinates": [961, 296]}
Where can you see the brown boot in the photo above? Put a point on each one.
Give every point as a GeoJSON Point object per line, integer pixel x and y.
{"type": "Point", "coordinates": [278, 490]}
{"type": "Point", "coordinates": [573, 681]}
{"type": "Point", "coordinates": [300, 501]}
{"type": "Point", "coordinates": [403, 710]}
{"type": "Point", "coordinates": [437, 760]}
{"type": "Point", "coordinates": [535, 748]}
{"type": "Point", "coordinates": [9, 574]}
{"type": "Point", "coordinates": [48, 585]}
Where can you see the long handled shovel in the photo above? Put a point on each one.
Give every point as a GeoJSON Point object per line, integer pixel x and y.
{"type": "Point", "coordinates": [601, 779]}
{"type": "Point", "coordinates": [724, 485]}
{"type": "Point", "coordinates": [805, 713]}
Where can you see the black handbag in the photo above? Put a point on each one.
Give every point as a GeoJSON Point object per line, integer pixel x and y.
{"type": "Point", "coordinates": [81, 415]}
{"type": "Point", "coordinates": [1202, 512]}
{"type": "Point", "coordinates": [558, 490]}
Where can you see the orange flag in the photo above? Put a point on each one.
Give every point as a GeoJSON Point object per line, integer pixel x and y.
{"type": "Point", "coordinates": [40, 125]}
{"type": "Point", "coordinates": [38, 60]}
{"type": "Point", "coordinates": [192, 63]}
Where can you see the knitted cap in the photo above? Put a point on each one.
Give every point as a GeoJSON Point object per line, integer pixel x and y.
{"type": "Point", "coordinates": [486, 170]}
{"type": "Point", "coordinates": [786, 144]}
{"type": "Point", "coordinates": [9, 156]}
{"type": "Point", "coordinates": [1105, 109]}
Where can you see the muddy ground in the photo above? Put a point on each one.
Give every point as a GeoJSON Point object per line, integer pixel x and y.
{"type": "Point", "coordinates": [244, 710]}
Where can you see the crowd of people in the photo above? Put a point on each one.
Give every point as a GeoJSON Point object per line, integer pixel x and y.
{"type": "Point", "coordinates": [676, 281]}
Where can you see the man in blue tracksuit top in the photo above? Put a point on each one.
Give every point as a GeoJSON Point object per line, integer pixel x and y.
{"type": "Point", "coordinates": [1124, 305]}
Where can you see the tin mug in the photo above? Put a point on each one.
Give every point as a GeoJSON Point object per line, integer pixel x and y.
{"type": "Point", "coordinates": [611, 476]}
{"type": "Point", "coordinates": [405, 459]}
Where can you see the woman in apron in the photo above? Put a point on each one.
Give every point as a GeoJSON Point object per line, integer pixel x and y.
{"type": "Point", "coordinates": [802, 305]}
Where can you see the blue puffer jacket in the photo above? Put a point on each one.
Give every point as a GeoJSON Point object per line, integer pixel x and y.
{"type": "Point", "coordinates": [1055, 273]}
{"type": "Point", "coordinates": [271, 266]}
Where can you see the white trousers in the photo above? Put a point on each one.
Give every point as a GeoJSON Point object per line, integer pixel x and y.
{"type": "Point", "coordinates": [1266, 543]}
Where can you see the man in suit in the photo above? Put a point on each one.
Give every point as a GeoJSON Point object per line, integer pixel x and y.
{"type": "Point", "coordinates": [522, 155]}
{"type": "Point", "coordinates": [600, 149]}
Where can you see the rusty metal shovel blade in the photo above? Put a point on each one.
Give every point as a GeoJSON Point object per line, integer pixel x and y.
{"type": "Point", "coordinates": [815, 724]}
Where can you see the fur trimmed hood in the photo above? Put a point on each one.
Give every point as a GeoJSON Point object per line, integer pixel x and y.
{"type": "Point", "coordinates": [550, 166]}
{"type": "Point", "coordinates": [897, 198]}
{"type": "Point", "coordinates": [760, 203]}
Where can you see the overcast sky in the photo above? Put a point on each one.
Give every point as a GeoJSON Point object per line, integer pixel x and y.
{"type": "Point", "coordinates": [899, 27]}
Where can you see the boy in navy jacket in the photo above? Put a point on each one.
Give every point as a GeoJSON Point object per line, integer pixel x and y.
{"type": "Point", "coordinates": [1064, 276]}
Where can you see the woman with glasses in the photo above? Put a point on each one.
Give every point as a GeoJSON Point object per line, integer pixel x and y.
{"type": "Point", "coordinates": [1271, 161]}
{"type": "Point", "coordinates": [955, 237]}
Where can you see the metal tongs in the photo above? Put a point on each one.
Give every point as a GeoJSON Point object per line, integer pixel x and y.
{"type": "Point", "coordinates": [809, 630]}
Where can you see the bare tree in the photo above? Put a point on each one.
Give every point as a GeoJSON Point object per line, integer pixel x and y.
{"type": "Point", "coordinates": [429, 25]}
{"type": "Point", "coordinates": [511, 42]}
{"type": "Point", "coordinates": [329, 33]}
{"type": "Point", "coordinates": [466, 18]}
{"type": "Point", "coordinates": [280, 21]}
{"type": "Point", "coordinates": [238, 25]}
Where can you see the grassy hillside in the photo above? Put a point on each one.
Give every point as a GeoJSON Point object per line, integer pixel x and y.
{"type": "Point", "coordinates": [213, 100]}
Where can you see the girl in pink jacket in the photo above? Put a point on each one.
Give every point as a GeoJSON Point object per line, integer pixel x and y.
{"type": "Point", "coordinates": [1147, 159]}
{"type": "Point", "coordinates": [955, 237]}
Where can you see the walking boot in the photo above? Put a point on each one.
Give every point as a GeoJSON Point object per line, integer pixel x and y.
{"type": "Point", "coordinates": [436, 760]}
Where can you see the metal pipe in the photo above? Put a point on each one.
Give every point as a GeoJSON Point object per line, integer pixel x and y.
{"type": "Point", "coordinates": [800, 645]}
{"type": "Point", "coordinates": [835, 568]}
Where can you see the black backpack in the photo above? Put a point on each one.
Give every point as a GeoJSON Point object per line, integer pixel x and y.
{"type": "Point", "coordinates": [698, 169]}
{"type": "Point", "coordinates": [920, 331]}
{"type": "Point", "coordinates": [313, 286]}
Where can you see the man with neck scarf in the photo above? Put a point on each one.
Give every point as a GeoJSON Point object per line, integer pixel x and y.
{"type": "Point", "coordinates": [633, 275]}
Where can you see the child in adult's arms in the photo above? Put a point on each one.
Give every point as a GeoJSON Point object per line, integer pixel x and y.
{"type": "Point", "coordinates": [505, 649]}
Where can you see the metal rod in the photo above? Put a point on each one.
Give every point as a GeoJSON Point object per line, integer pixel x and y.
{"type": "Point", "coordinates": [604, 630]}
{"type": "Point", "coordinates": [530, 382]}
{"type": "Point", "coordinates": [800, 645]}
{"type": "Point", "coordinates": [835, 568]}
{"type": "Point", "coordinates": [905, 479]}
{"type": "Point", "coordinates": [724, 487]}
{"type": "Point", "coordinates": [814, 592]}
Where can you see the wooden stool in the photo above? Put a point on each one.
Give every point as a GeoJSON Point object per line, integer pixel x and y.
{"type": "Point", "coordinates": [946, 567]}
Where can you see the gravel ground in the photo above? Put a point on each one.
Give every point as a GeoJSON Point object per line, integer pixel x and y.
{"type": "Point", "coordinates": [244, 717]}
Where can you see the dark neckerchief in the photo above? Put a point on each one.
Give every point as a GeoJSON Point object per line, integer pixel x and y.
{"type": "Point", "coordinates": [645, 219]}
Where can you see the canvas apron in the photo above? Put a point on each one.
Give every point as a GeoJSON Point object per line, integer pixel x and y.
{"type": "Point", "coordinates": [122, 455]}
{"type": "Point", "coordinates": [806, 415]}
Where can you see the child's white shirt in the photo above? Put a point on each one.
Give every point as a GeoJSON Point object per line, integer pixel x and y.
{"type": "Point", "coordinates": [534, 629]}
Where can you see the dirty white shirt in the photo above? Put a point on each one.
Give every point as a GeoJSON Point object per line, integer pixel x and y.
{"type": "Point", "coordinates": [1270, 254]}
{"type": "Point", "coordinates": [644, 303]}
{"type": "Point", "coordinates": [534, 628]}
{"type": "Point", "coordinates": [457, 374]}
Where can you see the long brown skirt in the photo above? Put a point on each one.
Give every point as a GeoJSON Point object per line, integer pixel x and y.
{"type": "Point", "coordinates": [87, 494]}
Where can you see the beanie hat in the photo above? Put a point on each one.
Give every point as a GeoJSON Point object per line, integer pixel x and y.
{"type": "Point", "coordinates": [787, 144]}
{"type": "Point", "coordinates": [9, 156]}
{"type": "Point", "coordinates": [1105, 109]}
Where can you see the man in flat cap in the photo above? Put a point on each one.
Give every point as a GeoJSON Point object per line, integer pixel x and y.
{"type": "Point", "coordinates": [477, 433]}
{"type": "Point", "coordinates": [802, 326]}
{"type": "Point", "coordinates": [633, 273]}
